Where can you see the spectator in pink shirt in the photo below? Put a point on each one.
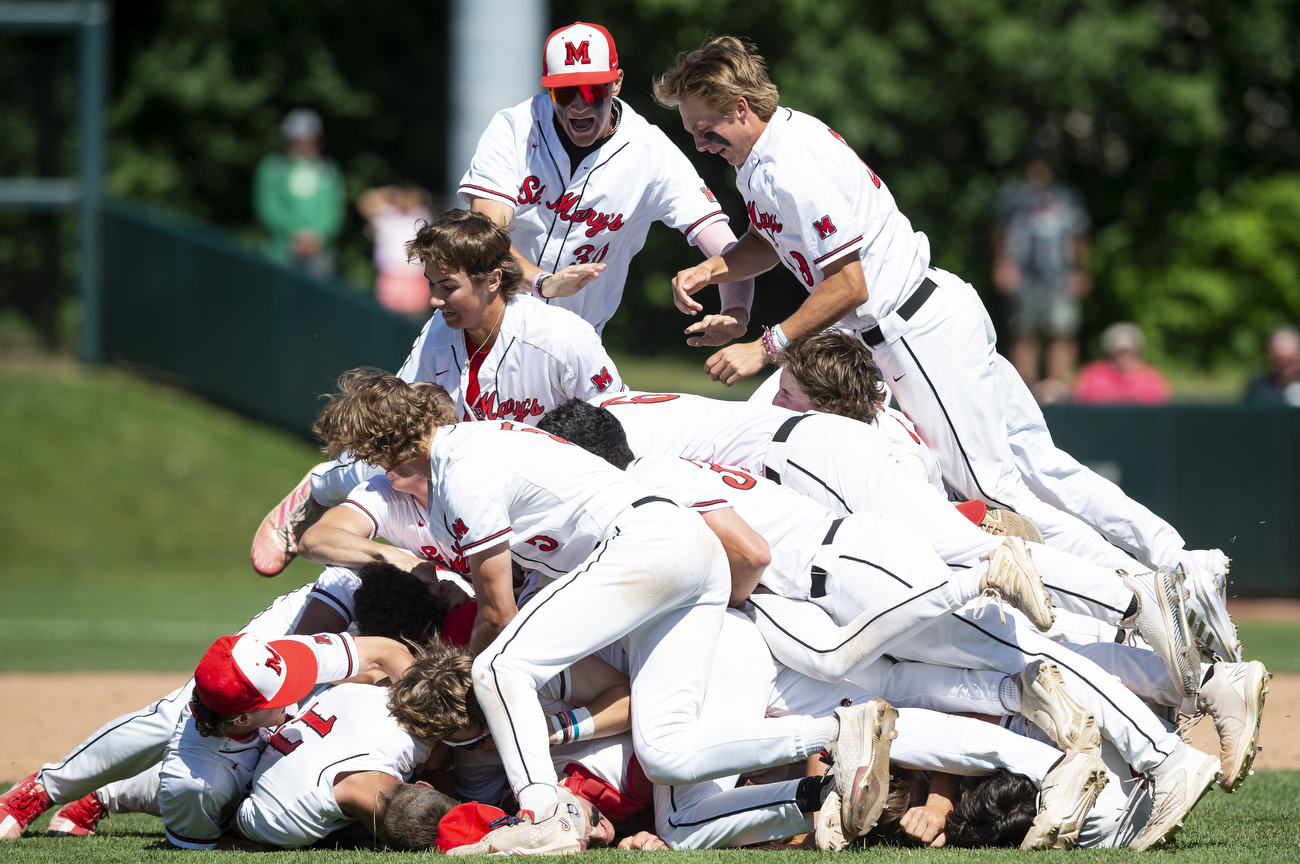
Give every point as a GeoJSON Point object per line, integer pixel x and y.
{"type": "Point", "coordinates": [1122, 378]}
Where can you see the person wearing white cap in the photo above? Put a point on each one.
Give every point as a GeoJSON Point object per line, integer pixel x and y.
{"type": "Point", "coordinates": [578, 177]}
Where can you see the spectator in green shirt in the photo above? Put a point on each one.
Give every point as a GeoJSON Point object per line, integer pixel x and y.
{"type": "Point", "coordinates": [299, 197]}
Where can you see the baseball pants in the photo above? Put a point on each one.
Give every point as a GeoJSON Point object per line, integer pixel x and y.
{"type": "Point", "coordinates": [661, 581]}
{"type": "Point", "coordinates": [940, 366]}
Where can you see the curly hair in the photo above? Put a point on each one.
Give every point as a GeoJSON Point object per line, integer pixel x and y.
{"type": "Point", "coordinates": [209, 723]}
{"type": "Point", "coordinates": [380, 418]}
{"type": "Point", "coordinates": [836, 373]}
{"type": "Point", "coordinates": [435, 697]}
{"type": "Point", "coordinates": [393, 603]}
{"type": "Point", "coordinates": [409, 822]}
{"type": "Point", "coordinates": [595, 430]}
{"type": "Point", "coordinates": [717, 73]}
{"type": "Point", "coordinates": [462, 240]}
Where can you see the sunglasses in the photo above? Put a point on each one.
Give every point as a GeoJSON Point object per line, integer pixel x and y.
{"type": "Point", "coordinates": [592, 94]}
{"type": "Point", "coordinates": [471, 744]}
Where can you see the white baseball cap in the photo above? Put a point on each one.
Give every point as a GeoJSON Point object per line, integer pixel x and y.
{"type": "Point", "coordinates": [579, 54]}
{"type": "Point", "coordinates": [242, 673]}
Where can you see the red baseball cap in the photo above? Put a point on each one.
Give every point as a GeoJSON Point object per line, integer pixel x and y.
{"type": "Point", "coordinates": [458, 626]}
{"type": "Point", "coordinates": [242, 673]}
{"type": "Point", "coordinates": [465, 824]}
{"type": "Point", "coordinates": [579, 54]}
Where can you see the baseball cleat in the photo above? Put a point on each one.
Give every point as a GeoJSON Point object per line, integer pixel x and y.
{"type": "Point", "coordinates": [1207, 615]}
{"type": "Point", "coordinates": [1161, 620]}
{"type": "Point", "coordinates": [1213, 560]}
{"type": "Point", "coordinates": [20, 806]}
{"type": "Point", "coordinates": [1005, 523]}
{"type": "Point", "coordinates": [1011, 576]}
{"type": "Point", "coordinates": [275, 544]}
{"type": "Point", "coordinates": [1179, 783]}
{"type": "Point", "coordinates": [1233, 695]}
{"type": "Point", "coordinates": [861, 752]}
{"type": "Point", "coordinates": [78, 819]}
{"type": "Point", "coordinates": [1069, 791]}
{"type": "Point", "coordinates": [561, 833]}
{"type": "Point", "coordinates": [1046, 702]}
{"type": "Point", "coordinates": [828, 834]}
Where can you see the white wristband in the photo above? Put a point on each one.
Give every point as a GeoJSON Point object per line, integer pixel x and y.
{"type": "Point", "coordinates": [570, 726]}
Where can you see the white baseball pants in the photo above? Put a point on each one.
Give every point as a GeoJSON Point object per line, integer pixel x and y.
{"type": "Point", "coordinates": [661, 581]}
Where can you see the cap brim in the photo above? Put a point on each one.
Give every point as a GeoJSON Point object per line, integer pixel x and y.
{"type": "Point", "coordinates": [573, 79]}
{"type": "Point", "coordinates": [299, 673]}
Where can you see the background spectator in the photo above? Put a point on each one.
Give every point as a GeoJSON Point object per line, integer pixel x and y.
{"type": "Point", "coordinates": [1040, 247]}
{"type": "Point", "coordinates": [394, 214]}
{"type": "Point", "coordinates": [1282, 385]}
{"type": "Point", "coordinates": [1122, 378]}
{"type": "Point", "coordinates": [299, 197]}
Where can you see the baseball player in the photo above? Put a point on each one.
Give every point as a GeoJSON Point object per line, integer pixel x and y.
{"type": "Point", "coordinates": [820, 210]}
{"type": "Point", "coordinates": [578, 177]}
{"type": "Point", "coordinates": [511, 491]}
{"type": "Point", "coordinates": [849, 467]}
{"type": "Point", "coordinates": [499, 354]}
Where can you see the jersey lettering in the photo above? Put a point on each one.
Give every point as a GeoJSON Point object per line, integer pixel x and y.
{"type": "Point", "coordinates": [643, 399]}
{"type": "Point", "coordinates": [602, 379]}
{"type": "Point", "coordinates": [579, 54]}
{"type": "Point", "coordinates": [584, 255]}
{"type": "Point", "coordinates": [507, 426]}
{"type": "Point", "coordinates": [488, 408]}
{"type": "Point", "coordinates": [874, 178]}
{"type": "Point", "coordinates": [708, 193]}
{"type": "Point", "coordinates": [736, 478]}
{"type": "Point", "coordinates": [458, 528]}
{"type": "Point", "coordinates": [322, 639]}
{"type": "Point", "coordinates": [825, 227]}
{"type": "Point", "coordinates": [283, 744]}
{"type": "Point", "coordinates": [801, 264]}
{"type": "Point", "coordinates": [763, 221]}
{"type": "Point", "coordinates": [564, 207]}
{"type": "Point", "coordinates": [543, 543]}
{"type": "Point", "coordinates": [456, 565]}
{"type": "Point", "coordinates": [322, 726]}
{"type": "Point", "coordinates": [530, 192]}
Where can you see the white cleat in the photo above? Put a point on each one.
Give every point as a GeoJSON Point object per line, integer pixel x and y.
{"type": "Point", "coordinates": [561, 833]}
{"type": "Point", "coordinates": [1207, 615]}
{"type": "Point", "coordinates": [1011, 576]}
{"type": "Point", "coordinates": [1178, 783]}
{"type": "Point", "coordinates": [1233, 696]}
{"type": "Point", "coordinates": [1046, 702]}
{"type": "Point", "coordinates": [1161, 620]}
{"type": "Point", "coordinates": [1005, 523]}
{"type": "Point", "coordinates": [1212, 560]}
{"type": "Point", "coordinates": [828, 834]}
{"type": "Point", "coordinates": [1069, 791]}
{"type": "Point", "coordinates": [861, 752]}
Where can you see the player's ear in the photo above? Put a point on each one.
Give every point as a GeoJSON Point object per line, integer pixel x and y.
{"type": "Point", "coordinates": [493, 281]}
{"type": "Point", "coordinates": [617, 84]}
{"type": "Point", "coordinates": [741, 112]}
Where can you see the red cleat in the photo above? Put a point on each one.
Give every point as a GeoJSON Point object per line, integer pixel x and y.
{"type": "Point", "coordinates": [20, 806]}
{"type": "Point", "coordinates": [276, 543]}
{"type": "Point", "coordinates": [78, 819]}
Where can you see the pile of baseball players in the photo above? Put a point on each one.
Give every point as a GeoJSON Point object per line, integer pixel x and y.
{"type": "Point", "coordinates": [585, 615]}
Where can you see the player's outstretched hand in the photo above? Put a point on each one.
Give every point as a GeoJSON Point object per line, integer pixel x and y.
{"type": "Point", "coordinates": [687, 282]}
{"type": "Point", "coordinates": [571, 280]}
{"type": "Point", "coordinates": [644, 841]}
{"type": "Point", "coordinates": [715, 330]}
{"type": "Point", "coordinates": [736, 362]}
{"type": "Point", "coordinates": [925, 824]}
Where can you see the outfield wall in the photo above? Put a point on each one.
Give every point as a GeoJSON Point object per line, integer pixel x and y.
{"type": "Point", "coordinates": [193, 301]}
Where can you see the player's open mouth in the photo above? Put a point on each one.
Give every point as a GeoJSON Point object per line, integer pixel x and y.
{"type": "Point", "coordinates": [582, 124]}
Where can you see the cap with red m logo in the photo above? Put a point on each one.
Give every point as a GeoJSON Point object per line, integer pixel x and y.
{"type": "Point", "coordinates": [579, 54]}
{"type": "Point", "coordinates": [243, 673]}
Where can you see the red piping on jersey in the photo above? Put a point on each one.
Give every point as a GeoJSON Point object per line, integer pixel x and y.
{"type": "Point", "coordinates": [509, 198]}
{"type": "Point", "coordinates": [373, 520]}
{"type": "Point", "coordinates": [343, 607]}
{"type": "Point", "coordinates": [505, 530]}
{"type": "Point", "coordinates": [704, 219]}
{"type": "Point", "coordinates": [833, 251]}
{"type": "Point", "coordinates": [709, 503]}
{"type": "Point", "coordinates": [351, 660]}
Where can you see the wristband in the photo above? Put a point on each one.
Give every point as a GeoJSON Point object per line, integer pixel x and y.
{"type": "Point", "coordinates": [570, 726]}
{"type": "Point", "coordinates": [780, 337]}
{"type": "Point", "coordinates": [770, 343]}
{"type": "Point", "coordinates": [537, 284]}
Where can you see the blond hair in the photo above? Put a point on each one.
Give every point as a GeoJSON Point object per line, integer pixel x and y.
{"type": "Point", "coordinates": [718, 73]}
{"type": "Point", "coordinates": [434, 698]}
{"type": "Point", "coordinates": [469, 241]}
{"type": "Point", "coordinates": [836, 373]}
{"type": "Point", "coordinates": [382, 419]}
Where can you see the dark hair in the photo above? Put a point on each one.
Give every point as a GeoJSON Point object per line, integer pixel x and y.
{"type": "Point", "coordinates": [996, 811]}
{"type": "Point", "coordinates": [593, 429]}
{"type": "Point", "coordinates": [393, 603]}
{"type": "Point", "coordinates": [209, 723]}
{"type": "Point", "coordinates": [464, 240]}
{"type": "Point", "coordinates": [411, 815]}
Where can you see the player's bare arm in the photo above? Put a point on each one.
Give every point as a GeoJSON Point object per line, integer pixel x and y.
{"type": "Point", "coordinates": [747, 552]}
{"type": "Point", "coordinates": [926, 823]}
{"type": "Point", "coordinates": [319, 617]}
{"type": "Point", "coordinates": [605, 693]}
{"type": "Point", "coordinates": [565, 282]}
{"type": "Point", "coordinates": [751, 256]}
{"type": "Point", "coordinates": [494, 589]}
{"type": "Point", "coordinates": [342, 539]}
{"type": "Point", "coordinates": [380, 654]}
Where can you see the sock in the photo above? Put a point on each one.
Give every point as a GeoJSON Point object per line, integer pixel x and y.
{"type": "Point", "coordinates": [540, 799]}
{"type": "Point", "coordinates": [819, 732]}
{"type": "Point", "coordinates": [1132, 607]}
{"type": "Point", "coordinates": [967, 583]}
{"type": "Point", "coordinates": [812, 792]}
{"type": "Point", "coordinates": [1010, 695]}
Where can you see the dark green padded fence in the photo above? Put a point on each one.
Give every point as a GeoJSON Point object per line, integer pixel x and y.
{"type": "Point", "coordinates": [195, 302]}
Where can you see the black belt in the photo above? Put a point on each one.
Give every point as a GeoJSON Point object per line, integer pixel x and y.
{"type": "Point", "coordinates": [782, 435]}
{"type": "Point", "coordinates": [818, 574]}
{"type": "Point", "coordinates": [874, 337]}
{"type": "Point", "coordinates": [650, 499]}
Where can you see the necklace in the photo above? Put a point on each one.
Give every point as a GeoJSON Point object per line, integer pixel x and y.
{"type": "Point", "coordinates": [488, 340]}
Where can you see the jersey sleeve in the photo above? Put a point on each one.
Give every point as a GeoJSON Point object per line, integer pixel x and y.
{"type": "Point", "coordinates": [335, 588]}
{"type": "Point", "coordinates": [477, 511]}
{"type": "Point", "coordinates": [587, 370]}
{"type": "Point", "coordinates": [690, 484]}
{"type": "Point", "coordinates": [496, 171]}
{"type": "Point", "coordinates": [413, 369]}
{"type": "Point", "coordinates": [681, 198]}
{"type": "Point", "coordinates": [369, 500]}
{"type": "Point", "coordinates": [824, 217]}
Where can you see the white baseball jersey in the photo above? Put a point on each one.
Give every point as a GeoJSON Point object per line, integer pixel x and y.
{"type": "Point", "coordinates": [204, 778]}
{"type": "Point", "coordinates": [910, 449]}
{"type": "Point", "coordinates": [597, 212]}
{"type": "Point", "coordinates": [793, 525]}
{"type": "Point", "coordinates": [507, 482]}
{"type": "Point", "coordinates": [815, 201]}
{"type": "Point", "coordinates": [711, 430]}
{"type": "Point", "coordinates": [346, 728]}
{"type": "Point", "coordinates": [542, 357]}
{"type": "Point", "coordinates": [400, 519]}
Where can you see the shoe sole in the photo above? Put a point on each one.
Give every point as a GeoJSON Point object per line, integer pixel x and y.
{"type": "Point", "coordinates": [1062, 832]}
{"type": "Point", "coordinates": [1173, 614]}
{"type": "Point", "coordinates": [1216, 619]}
{"type": "Point", "coordinates": [871, 782]}
{"type": "Point", "coordinates": [269, 554]}
{"type": "Point", "coordinates": [828, 836]}
{"type": "Point", "coordinates": [1176, 825]}
{"type": "Point", "coordinates": [9, 828]}
{"type": "Point", "coordinates": [1258, 686]}
{"type": "Point", "coordinates": [1041, 618]}
{"type": "Point", "coordinates": [61, 827]}
{"type": "Point", "coordinates": [1081, 734]}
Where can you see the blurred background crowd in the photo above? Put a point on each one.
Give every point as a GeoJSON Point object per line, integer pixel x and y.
{"type": "Point", "coordinates": [1120, 180]}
